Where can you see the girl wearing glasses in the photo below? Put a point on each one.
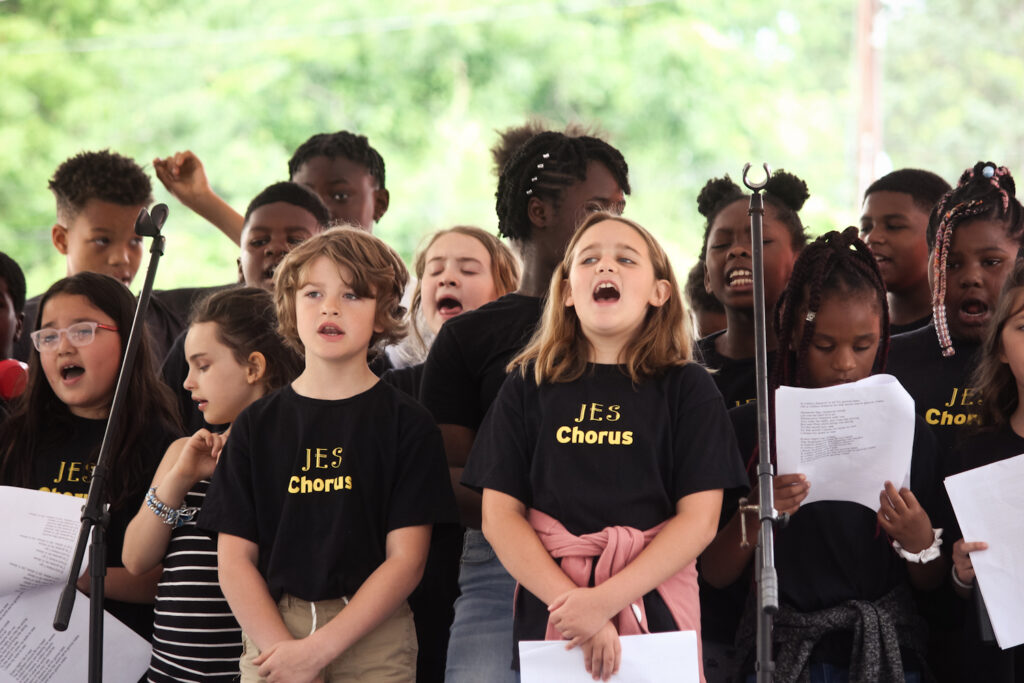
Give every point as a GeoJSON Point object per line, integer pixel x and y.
{"type": "Point", "coordinates": [53, 436]}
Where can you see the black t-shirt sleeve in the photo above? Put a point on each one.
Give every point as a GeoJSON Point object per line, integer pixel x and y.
{"type": "Point", "coordinates": [229, 506]}
{"type": "Point", "coordinates": [500, 459]}
{"type": "Point", "coordinates": [422, 492]}
{"type": "Point", "coordinates": [448, 388]}
{"type": "Point", "coordinates": [706, 456]}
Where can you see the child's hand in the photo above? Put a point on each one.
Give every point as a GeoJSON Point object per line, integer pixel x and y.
{"type": "Point", "coordinates": [184, 177]}
{"type": "Point", "coordinates": [904, 519]}
{"type": "Point", "coordinates": [962, 564]}
{"type": "Point", "coordinates": [579, 614]}
{"type": "Point", "coordinates": [602, 654]}
{"type": "Point", "coordinates": [199, 457]}
{"type": "Point", "coordinates": [790, 490]}
{"type": "Point", "coordinates": [289, 661]}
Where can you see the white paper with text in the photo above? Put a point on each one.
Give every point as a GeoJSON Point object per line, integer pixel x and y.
{"type": "Point", "coordinates": [848, 439]}
{"type": "Point", "coordinates": [38, 541]}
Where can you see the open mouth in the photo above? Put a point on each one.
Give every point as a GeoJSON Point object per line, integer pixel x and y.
{"type": "Point", "coordinates": [606, 291]}
{"type": "Point", "coordinates": [449, 307]}
{"type": "Point", "coordinates": [740, 277]}
{"type": "Point", "coordinates": [330, 330]}
{"type": "Point", "coordinates": [268, 274]}
{"type": "Point", "coordinates": [201, 403]}
{"type": "Point", "coordinates": [974, 311]}
{"type": "Point", "coordinates": [71, 372]}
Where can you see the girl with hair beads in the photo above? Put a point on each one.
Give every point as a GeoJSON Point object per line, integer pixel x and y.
{"type": "Point", "coordinates": [975, 234]}
{"type": "Point", "coordinates": [845, 607]}
{"type": "Point", "coordinates": [52, 439]}
{"type": "Point", "coordinates": [728, 272]}
{"type": "Point", "coordinates": [605, 397]}
{"type": "Point", "coordinates": [998, 378]}
{"type": "Point", "coordinates": [546, 188]}
{"type": "Point", "coordinates": [234, 356]}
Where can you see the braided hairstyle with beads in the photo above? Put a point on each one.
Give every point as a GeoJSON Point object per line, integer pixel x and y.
{"type": "Point", "coordinates": [835, 263]}
{"type": "Point", "coordinates": [784, 192]}
{"type": "Point", "coordinates": [543, 167]}
{"type": "Point", "coordinates": [984, 192]}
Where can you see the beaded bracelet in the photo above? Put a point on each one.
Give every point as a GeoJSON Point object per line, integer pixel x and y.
{"type": "Point", "coordinates": [170, 516]}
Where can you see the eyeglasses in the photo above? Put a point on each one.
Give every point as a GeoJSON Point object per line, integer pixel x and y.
{"type": "Point", "coordinates": [79, 334]}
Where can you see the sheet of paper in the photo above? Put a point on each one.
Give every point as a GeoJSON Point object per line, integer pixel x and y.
{"type": "Point", "coordinates": [32, 652]}
{"type": "Point", "coordinates": [989, 507]}
{"type": "Point", "coordinates": [848, 439]}
{"type": "Point", "coordinates": [649, 658]}
{"type": "Point", "coordinates": [40, 530]}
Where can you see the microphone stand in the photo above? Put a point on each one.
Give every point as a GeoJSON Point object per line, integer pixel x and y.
{"type": "Point", "coordinates": [94, 513]}
{"type": "Point", "coordinates": [767, 579]}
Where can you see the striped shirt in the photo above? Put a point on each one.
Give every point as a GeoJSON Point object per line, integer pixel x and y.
{"type": "Point", "coordinates": [195, 636]}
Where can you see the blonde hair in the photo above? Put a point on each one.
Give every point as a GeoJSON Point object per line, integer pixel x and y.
{"type": "Point", "coordinates": [504, 268]}
{"type": "Point", "coordinates": [377, 273]}
{"type": "Point", "coordinates": [559, 350]}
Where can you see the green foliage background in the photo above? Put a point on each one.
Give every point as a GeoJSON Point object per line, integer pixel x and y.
{"type": "Point", "coordinates": [686, 90]}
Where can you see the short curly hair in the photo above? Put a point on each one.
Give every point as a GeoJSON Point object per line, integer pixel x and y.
{"type": "Point", "coordinates": [377, 273]}
{"type": "Point", "coordinates": [102, 175]}
{"type": "Point", "coordinates": [355, 148]}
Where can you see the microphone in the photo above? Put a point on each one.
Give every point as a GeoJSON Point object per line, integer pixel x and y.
{"type": "Point", "coordinates": [13, 378]}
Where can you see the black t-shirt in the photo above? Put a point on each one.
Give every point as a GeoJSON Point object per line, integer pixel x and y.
{"type": "Point", "coordinates": [166, 317]}
{"type": "Point", "coordinates": [939, 385]}
{"type": "Point", "coordinates": [467, 361]}
{"type": "Point", "coordinates": [317, 485]}
{"type": "Point", "coordinates": [63, 462]}
{"type": "Point", "coordinates": [407, 379]}
{"type": "Point", "coordinates": [599, 452]}
{"type": "Point", "coordinates": [734, 377]}
{"type": "Point", "coordinates": [834, 551]}
{"type": "Point", "coordinates": [910, 327]}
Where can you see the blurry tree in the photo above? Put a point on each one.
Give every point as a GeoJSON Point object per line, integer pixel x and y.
{"type": "Point", "coordinates": [687, 91]}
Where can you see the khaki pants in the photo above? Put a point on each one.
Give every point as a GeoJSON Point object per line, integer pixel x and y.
{"type": "Point", "coordinates": [386, 654]}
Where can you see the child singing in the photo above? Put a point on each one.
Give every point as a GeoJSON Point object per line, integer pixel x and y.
{"type": "Point", "coordinates": [606, 434]}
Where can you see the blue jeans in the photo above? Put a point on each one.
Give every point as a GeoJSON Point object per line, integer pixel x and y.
{"type": "Point", "coordinates": [480, 648]}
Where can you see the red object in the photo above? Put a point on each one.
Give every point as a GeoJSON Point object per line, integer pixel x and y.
{"type": "Point", "coordinates": [13, 378]}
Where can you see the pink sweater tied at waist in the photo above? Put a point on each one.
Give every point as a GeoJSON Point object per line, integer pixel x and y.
{"type": "Point", "coordinates": [615, 547]}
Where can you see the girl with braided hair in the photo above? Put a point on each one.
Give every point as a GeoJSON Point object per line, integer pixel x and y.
{"type": "Point", "coordinates": [546, 188]}
{"type": "Point", "coordinates": [728, 273]}
{"type": "Point", "coordinates": [975, 234]}
{"type": "Point", "coordinates": [845, 603]}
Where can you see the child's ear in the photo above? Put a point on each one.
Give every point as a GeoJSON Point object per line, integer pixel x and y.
{"type": "Point", "coordinates": [567, 296]}
{"type": "Point", "coordinates": [537, 211]}
{"type": "Point", "coordinates": [661, 293]}
{"type": "Point", "coordinates": [255, 367]}
{"type": "Point", "coordinates": [381, 201]}
{"type": "Point", "coordinates": [241, 275]}
{"type": "Point", "coordinates": [19, 326]}
{"type": "Point", "coordinates": [59, 236]}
